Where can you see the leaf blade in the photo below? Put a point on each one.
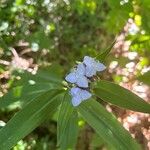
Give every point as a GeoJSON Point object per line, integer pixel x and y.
{"type": "Point", "coordinates": [107, 126]}
{"type": "Point", "coordinates": [28, 118]}
{"type": "Point", "coordinates": [105, 53]}
{"type": "Point", "coordinates": [145, 78]}
{"type": "Point", "coordinates": [20, 95]}
{"type": "Point", "coordinates": [67, 124]}
{"type": "Point", "coordinates": [120, 96]}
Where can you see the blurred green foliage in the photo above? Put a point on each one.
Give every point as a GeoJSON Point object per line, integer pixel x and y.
{"type": "Point", "coordinates": [69, 29]}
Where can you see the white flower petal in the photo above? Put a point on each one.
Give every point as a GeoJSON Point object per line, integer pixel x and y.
{"type": "Point", "coordinates": [88, 60]}
{"type": "Point", "coordinates": [71, 77]}
{"type": "Point", "coordinates": [82, 81]}
{"type": "Point", "coordinates": [79, 95]}
{"type": "Point", "coordinates": [76, 101]}
{"type": "Point", "coordinates": [90, 71]}
{"type": "Point", "coordinates": [74, 91]}
{"type": "Point", "coordinates": [81, 69]}
{"type": "Point", "coordinates": [99, 66]}
{"type": "Point", "coordinates": [84, 94]}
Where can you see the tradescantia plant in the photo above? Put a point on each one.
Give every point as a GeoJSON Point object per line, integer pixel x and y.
{"type": "Point", "coordinates": [40, 100]}
{"type": "Point", "coordinates": [81, 77]}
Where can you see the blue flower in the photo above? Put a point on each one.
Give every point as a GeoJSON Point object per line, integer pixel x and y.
{"type": "Point", "coordinates": [92, 66]}
{"type": "Point", "coordinates": [79, 95]}
{"type": "Point", "coordinates": [78, 76]}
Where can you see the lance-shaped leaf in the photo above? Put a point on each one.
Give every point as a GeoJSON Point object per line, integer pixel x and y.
{"type": "Point", "coordinates": [105, 53]}
{"type": "Point", "coordinates": [27, 119]}
{"type": "Point", "coordinates": [67, 124]}
{"type": "Point", "coordinates": [145, 78]}
{"type": "Point", "coordinates": [21, 95]}
{"type": "Point", "coordinates": [107, 126]}
{"type": "Point", "coordinates": [30, 86]}
{"type": "Point", "coordinates": [120, 96]}
{"type": "Point", "coordinates": [50, 74]}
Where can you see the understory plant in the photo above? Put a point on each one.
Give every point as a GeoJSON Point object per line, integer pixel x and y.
{"type": "Point", "coordinates": [46, 94]}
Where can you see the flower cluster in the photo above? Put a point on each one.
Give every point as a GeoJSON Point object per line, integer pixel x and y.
{"type": "Point", "coordinates": [80, 77]}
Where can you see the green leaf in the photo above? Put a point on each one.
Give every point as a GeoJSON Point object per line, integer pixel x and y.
{"type": "Point", "coordinates": [40, 38]}
{"type": "Point", "coordinates": [118, 15]}
{"type": "Point", "coordinates": [27, 119]}
{"type": "Point", "coordinates": [30, 86]}
{"type": "Point", "coordinates": [67, 124]}
{"type": "Point", "coordinates": [20, 95]}
{"type": "Point", "coordinates": [3, 44]}
{"type": "Point", "coordinates": [120, 96]}
{"type": "Point", "coordinates": [104, 54]}
{"type": "Point", "coordinates": [145, 7]}
{"type": "Point", "coordinates": [145, 78]}
{"type": "Point", "coordinates": [107, 126]}
{"type": "Point", "coordinates": [50, 74]}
